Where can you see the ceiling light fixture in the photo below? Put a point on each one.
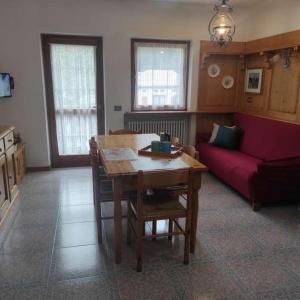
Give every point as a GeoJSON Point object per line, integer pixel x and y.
{"type": "Point", "coordinates": [221, 26]}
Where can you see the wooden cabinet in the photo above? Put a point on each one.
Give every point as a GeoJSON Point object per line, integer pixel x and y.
{"type": "Point", "coordinates": [2, 149]}
{"type": "Point", "coordinates": [11, 173]}
{"type": "Point", "coordinates": [20, 163]}
{"type": "Point", "coordinates": [8, 169]}
{"type": "Point", "coordinates": [4, 193]}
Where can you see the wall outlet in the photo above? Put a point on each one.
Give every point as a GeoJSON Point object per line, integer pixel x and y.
{"type": "Point", "coordinates": [118, 108]}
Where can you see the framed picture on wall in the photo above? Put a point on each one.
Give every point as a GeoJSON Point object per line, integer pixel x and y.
{"type": "Point", "coordinates": [253, 81]}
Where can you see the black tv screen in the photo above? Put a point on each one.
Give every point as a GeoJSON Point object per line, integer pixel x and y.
{"type": "Point", "coordinates": [5, 87]}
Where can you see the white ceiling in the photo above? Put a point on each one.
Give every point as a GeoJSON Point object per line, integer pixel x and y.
{"type": "Point", "coordinates": [240, 3]}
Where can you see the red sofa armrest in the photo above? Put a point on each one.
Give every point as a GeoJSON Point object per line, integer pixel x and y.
{"type": "Point", "coordinates": [285, 169]}
{"type": "Point", "coordinates": [276, 181]}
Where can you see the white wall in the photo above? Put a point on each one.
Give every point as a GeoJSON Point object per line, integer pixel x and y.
{"type": "Point", "coordinates": [22, 22]}
{"type": "Point", "coordinates": [272, 17]}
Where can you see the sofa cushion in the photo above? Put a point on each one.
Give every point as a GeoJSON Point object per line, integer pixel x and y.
{"type": "Point", "coordinates": [234, 167]}
{"type": "Point", "coordinates": [228, 138]}
{"type": "Point", "coordinates": [268, 139]}
{"type": "Point", "coordinates": [215, 131]}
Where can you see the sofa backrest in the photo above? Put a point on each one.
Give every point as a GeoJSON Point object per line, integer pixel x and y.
{"type": "Point", "coordinates": [268, 139]}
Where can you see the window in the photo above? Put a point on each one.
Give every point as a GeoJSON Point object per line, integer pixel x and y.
{"type": "Point", "coordinates": [159, 74]}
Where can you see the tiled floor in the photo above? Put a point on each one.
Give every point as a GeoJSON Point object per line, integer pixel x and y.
{"type": "Point", "coordinates": [50, 251]}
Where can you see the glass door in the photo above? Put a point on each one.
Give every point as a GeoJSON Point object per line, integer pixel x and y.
{"type": "Point", "coordinates": [74, 86]}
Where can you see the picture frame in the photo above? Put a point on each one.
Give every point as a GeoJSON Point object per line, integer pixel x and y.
{"type": "Point", "coordinates": [253, 81]}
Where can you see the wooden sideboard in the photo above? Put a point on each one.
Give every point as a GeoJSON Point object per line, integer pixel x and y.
{"type": "Point", "coordinates": [12, 168]}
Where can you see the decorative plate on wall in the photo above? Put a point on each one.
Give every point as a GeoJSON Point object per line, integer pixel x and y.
{"type": "Point", "coordinates": [228, 82]}
{"type": "Point", "coordinates": [213, 70]}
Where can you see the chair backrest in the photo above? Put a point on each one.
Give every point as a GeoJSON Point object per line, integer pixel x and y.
{"type": "Point", "coordinates": [93, 151]}
{"type": "Point", "coordinates": [191, 151]}
{"type": "Point", "coordinates": [123, 131]}
{"type": "Point", "coordinates": [95, 157]}
{"type": "Point", "coordinates": [161, 179]}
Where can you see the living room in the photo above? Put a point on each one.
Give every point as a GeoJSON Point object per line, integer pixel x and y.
{"type": "Point", "coordinates": [233, 118]}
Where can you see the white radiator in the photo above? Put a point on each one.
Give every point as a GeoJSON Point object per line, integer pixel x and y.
{"type": "Point", "coordinates": [176, 128]}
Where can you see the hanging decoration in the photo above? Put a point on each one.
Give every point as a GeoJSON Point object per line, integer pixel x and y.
{"type": "Point", "coordinates": [213, 70]}
{"type": "Point", "coordinates": [227, 82]}
{"type": "Point", "coordinates": [221, 26]}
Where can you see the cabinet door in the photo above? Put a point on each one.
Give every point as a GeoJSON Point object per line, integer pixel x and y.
{"type": "Point", "coordinates": [20, 165]}
{"type": "Point", "coordinates": [12, 182]}
{"type": "Point", "coordinates": [4, 194]}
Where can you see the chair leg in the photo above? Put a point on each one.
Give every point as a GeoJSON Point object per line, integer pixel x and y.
{"type": "Point", "coordinates": [154, 226]}
{"type": "Point", "coordinates": [99, 220]}
{"type": "Point", "coordinates": [187, 236]}
{"type": "Point", "coordinates": [139, 246]}
{"type": "Point", "coordinates": [128, 223]}
{"type": "Point", "coordinates": [170, 229]}
{"type": "Point", "coordinates": [144, 229]}
{"type": "Point", "coordinates": [186, 249]}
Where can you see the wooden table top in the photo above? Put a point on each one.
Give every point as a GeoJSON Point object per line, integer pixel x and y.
{"type": "Point", "coordinates": [144, 163]}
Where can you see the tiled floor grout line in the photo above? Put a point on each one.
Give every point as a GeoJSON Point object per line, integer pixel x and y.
{"type": "Point", "coordinates": [53, 248]}
{"type": "Point", "coordinates": [75, 246]}
{"type": "Point", "coordinates": [76, 222]}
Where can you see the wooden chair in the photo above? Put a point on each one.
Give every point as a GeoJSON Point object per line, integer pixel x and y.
{"type": "Point", "coordinates": [188, 149]}
{"type": "Point", "coordinates": [102, 187]}
{"type": "Point", "coordinates": [160, 206]}
{"type": "Point", "coordinates": [123, 131]}
{"type": "Point", "coordinates": [191, 151]}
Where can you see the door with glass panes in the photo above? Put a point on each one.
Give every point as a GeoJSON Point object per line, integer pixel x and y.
{"type": "Point", "coordinates": [73, 67]}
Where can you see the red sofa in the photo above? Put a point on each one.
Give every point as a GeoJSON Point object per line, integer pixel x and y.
{"type": "Point", "coordinates": [266, 167]}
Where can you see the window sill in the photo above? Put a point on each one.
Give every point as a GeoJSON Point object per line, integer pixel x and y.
{"type": "Point", "coordinates": [186, 112]}
{"type": "Point", "coordinates": [147, 112]}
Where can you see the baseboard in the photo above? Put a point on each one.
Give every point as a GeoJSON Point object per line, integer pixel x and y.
{"type": "Point", "coordinates": [38, 169]}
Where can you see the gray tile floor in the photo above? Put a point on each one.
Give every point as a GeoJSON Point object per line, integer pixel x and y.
{"type": "Point", "coordinates": [50, 250]}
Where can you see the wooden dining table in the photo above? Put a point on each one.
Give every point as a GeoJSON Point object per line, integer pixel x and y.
{"type": "Point", "coordinates": [123, 172]}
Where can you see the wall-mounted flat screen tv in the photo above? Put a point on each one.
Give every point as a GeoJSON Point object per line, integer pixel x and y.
{"type": "Point", "coordinates": [5, 85]}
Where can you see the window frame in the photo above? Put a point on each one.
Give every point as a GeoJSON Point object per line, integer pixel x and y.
{"type": "Point", "coordinates": [133, 71]}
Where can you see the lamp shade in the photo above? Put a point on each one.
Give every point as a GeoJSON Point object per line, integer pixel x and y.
{"type": "Point", "coordinates": [221, 27]}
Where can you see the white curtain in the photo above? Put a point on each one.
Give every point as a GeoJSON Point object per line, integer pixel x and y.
{"type": "Point", "coordinates": [74, 88]}
{"type": "Point", "coordinates": [160, 76]}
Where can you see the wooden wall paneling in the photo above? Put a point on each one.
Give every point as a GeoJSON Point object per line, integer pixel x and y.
{"type": "Point", "coordinates": [202, 87]}
{"type": "Point", "coordinates": [205, 121]}
{"type": "Point", "coordinates": [240, 83]}
{"type": "Point", "coordinates": [275, 42]}
{"type": "Point", "coordinates": [212, 95]}
{"type": "Point", "coordinates": [218, 102]}
{"type": "Point", "coordinates": [257, 102]}
{"type": "Point", "coordinates": [233, 48]}
{"type": "Point", "coordinates": [284, 98]}
{"type": "Point", "coordinates": [280, 93]}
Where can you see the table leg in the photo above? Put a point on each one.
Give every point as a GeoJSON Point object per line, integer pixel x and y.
{"type": "Point", "coordinates": [117, 194]}
{"type": "Point", "coordinates": [194, 222]}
